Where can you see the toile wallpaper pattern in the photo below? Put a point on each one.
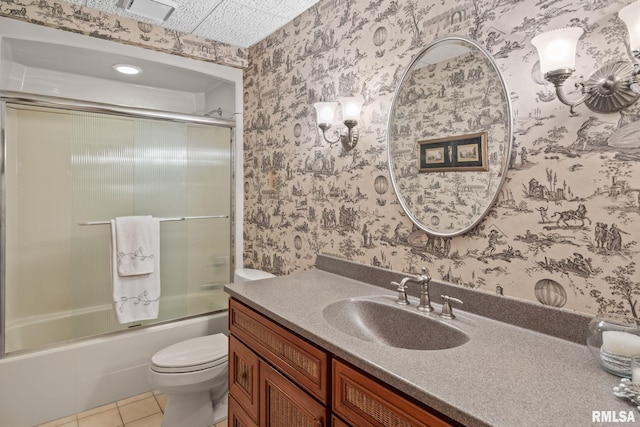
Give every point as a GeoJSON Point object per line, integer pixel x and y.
{"type": "Point", "coordinates": [94, 23]}
{"type": "Point", "coordinates": [564, 230]}
{"type": "Point", "coordinates": [565, 227]}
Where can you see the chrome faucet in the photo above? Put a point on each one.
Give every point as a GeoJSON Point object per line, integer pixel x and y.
{"type": "Point", "coordinates": [423, 279]}
{"type": "Point", "coordinates": [425, 300]}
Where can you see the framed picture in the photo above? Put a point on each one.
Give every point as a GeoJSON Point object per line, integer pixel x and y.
{"type": "Point", "coordinates": [454, 154]}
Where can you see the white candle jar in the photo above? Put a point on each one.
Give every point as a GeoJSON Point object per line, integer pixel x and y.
{"type": "Point", "coordinates": [613, 341]}
{"type": "Point", "coordinates": [635, 370]}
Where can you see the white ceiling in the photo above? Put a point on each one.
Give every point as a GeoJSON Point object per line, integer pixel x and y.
{"type": "Point", "coordinates": [236, 22]}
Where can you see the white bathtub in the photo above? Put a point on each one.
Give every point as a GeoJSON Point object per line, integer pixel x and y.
{"type": "Point", "coordinates": [34, 332]}
{"type": "Point", "coordinates": [52, 383]}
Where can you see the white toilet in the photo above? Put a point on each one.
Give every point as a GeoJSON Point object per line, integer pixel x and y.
{"type": "Point", "coordinates": [193, 374]}
{"type": "Point", "coordinates": [248, 274]}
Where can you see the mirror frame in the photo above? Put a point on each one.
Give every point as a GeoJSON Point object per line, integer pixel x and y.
{"type": "Point", "coordinates": [509, 133]}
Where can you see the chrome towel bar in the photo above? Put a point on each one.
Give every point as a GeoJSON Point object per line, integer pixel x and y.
{"type": "Point", "coordinates": [173, 218]}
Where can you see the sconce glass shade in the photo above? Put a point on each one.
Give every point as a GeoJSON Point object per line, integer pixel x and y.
{"type": "Point", "coordinates": [326, 112]}
{"type": "Point", "coordinates": [351, 108]}
{"type": "Point", "coordinates": [557, 49]}
{"type": "Point", "coordinates": [630, 15]}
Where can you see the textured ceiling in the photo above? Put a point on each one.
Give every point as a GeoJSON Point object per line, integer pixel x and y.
{"type": "Point", "coordinates": [236, 22]}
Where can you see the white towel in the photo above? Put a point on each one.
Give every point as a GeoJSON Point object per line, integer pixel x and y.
{"type": "Point", "coordinates": [136, 236]}
{"type": "Point", "coordinates": [135, 297]}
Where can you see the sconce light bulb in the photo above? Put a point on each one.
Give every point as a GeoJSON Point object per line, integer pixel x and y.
{"type": "Point", "coordinates": [630, 15]}
{"type": "Point", "coordinates": [557, 48]}
{"type": "Point", "coordinates": [325, 112]}
{"type": "Point", "coordinates": [351, 108]}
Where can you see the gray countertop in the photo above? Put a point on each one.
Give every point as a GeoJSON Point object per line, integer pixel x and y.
{"type": "Point", "coordinates": [504, 376]}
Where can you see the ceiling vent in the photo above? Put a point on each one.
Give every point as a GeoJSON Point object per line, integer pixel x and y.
{"type": "Point", "coordinates": [158, 10]}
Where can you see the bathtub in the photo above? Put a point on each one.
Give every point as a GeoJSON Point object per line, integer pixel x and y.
{"type": "Point", "coordinates": [52, 383]}
{"type": "Point", "coordinates": [34, 332]}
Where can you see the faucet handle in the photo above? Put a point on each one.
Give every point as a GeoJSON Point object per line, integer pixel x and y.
{"type": "Point", "coordinates": [447, 311]}
{"type": "Point", "coordinates": [402, 293]}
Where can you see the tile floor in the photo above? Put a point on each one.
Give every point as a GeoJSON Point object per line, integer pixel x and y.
{"type": "Point", "coordinates": [143, 410]}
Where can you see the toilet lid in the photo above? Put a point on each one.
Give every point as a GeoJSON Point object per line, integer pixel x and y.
{"type": "Point", "coordinates": [192, 355]}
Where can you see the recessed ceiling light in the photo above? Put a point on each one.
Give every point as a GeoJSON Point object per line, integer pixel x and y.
{"type": "Point", "coordinates": [127, 69]}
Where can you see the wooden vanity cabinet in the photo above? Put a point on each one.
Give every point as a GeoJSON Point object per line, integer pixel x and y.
{"type": "Point", "coordinates": [365, 402]}
{"type": "Point", "coordinates": [237, 416]}
{"type": "Point", "coordinates": [244, 378]}
{"type": "Point", "coordinates": [283, 404]}
{"type": "Point", "coordinates": [337, 422]}
{"type": "Point", "coordinates": [278, 379]}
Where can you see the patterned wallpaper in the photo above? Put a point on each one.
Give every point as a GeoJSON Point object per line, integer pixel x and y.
{"type": "Point", "coordinates": [564, 229]}
{"type": "Point", "coordinates": [94, 23]}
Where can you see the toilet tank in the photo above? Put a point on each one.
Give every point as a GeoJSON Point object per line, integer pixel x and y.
{"type": "Point", "coordinates": [248, 274]}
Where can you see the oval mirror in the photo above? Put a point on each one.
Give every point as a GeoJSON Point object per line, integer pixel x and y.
{"type": "Point", "coordinates": [449, 136]}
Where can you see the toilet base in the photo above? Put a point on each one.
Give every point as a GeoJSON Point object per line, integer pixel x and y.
{"type": "Point", "coordinates": [221, 410]}
{"type": "Point", "coordinates": [193, 410]}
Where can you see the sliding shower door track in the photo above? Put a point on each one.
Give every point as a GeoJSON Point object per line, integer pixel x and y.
{"type": "Point", "coordinates": [96, 107]}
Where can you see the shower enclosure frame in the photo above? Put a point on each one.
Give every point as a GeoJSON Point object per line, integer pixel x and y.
{"type": "Point", "coordinates": [13, 97]}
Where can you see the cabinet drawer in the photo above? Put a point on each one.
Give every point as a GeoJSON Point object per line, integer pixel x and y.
{"type": "Point", "coordinates": [303, 362]}
{"type": "Point", "coordinates": [237, 416]}
{"type": "Point", "coordinates": [283, 404]}
{"type": "Point", "coordinates": [243, 376]}
{"type": "Point", "coordinates": [364, 402]}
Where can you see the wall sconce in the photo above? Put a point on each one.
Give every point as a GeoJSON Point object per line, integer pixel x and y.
{"type": "Point", "coordinates": [326, 113]}
{"type": "Point", "coordinates": [611, 88]}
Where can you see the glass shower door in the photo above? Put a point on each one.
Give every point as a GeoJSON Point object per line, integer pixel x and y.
{"type": "Point", "coordinates": [67, 174]}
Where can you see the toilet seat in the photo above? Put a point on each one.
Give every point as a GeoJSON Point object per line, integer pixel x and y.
{"type": "Point", "coordinates": [192, 355]}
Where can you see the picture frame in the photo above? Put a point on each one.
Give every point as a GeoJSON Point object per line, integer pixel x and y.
{"type": "Point", "coordinates": [454, 154]}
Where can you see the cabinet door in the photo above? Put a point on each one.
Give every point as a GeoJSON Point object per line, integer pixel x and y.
{"type": "Point", "coordinates": [283, 404]}
{"type": "Point", "coordinates": [243, 376]}
{"type": "Point", "coordinates": [365, 402]}
{"type": "Point", "coordinates": [304, 363]}
{"type": "Point", "coordinates": [237, 416]}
